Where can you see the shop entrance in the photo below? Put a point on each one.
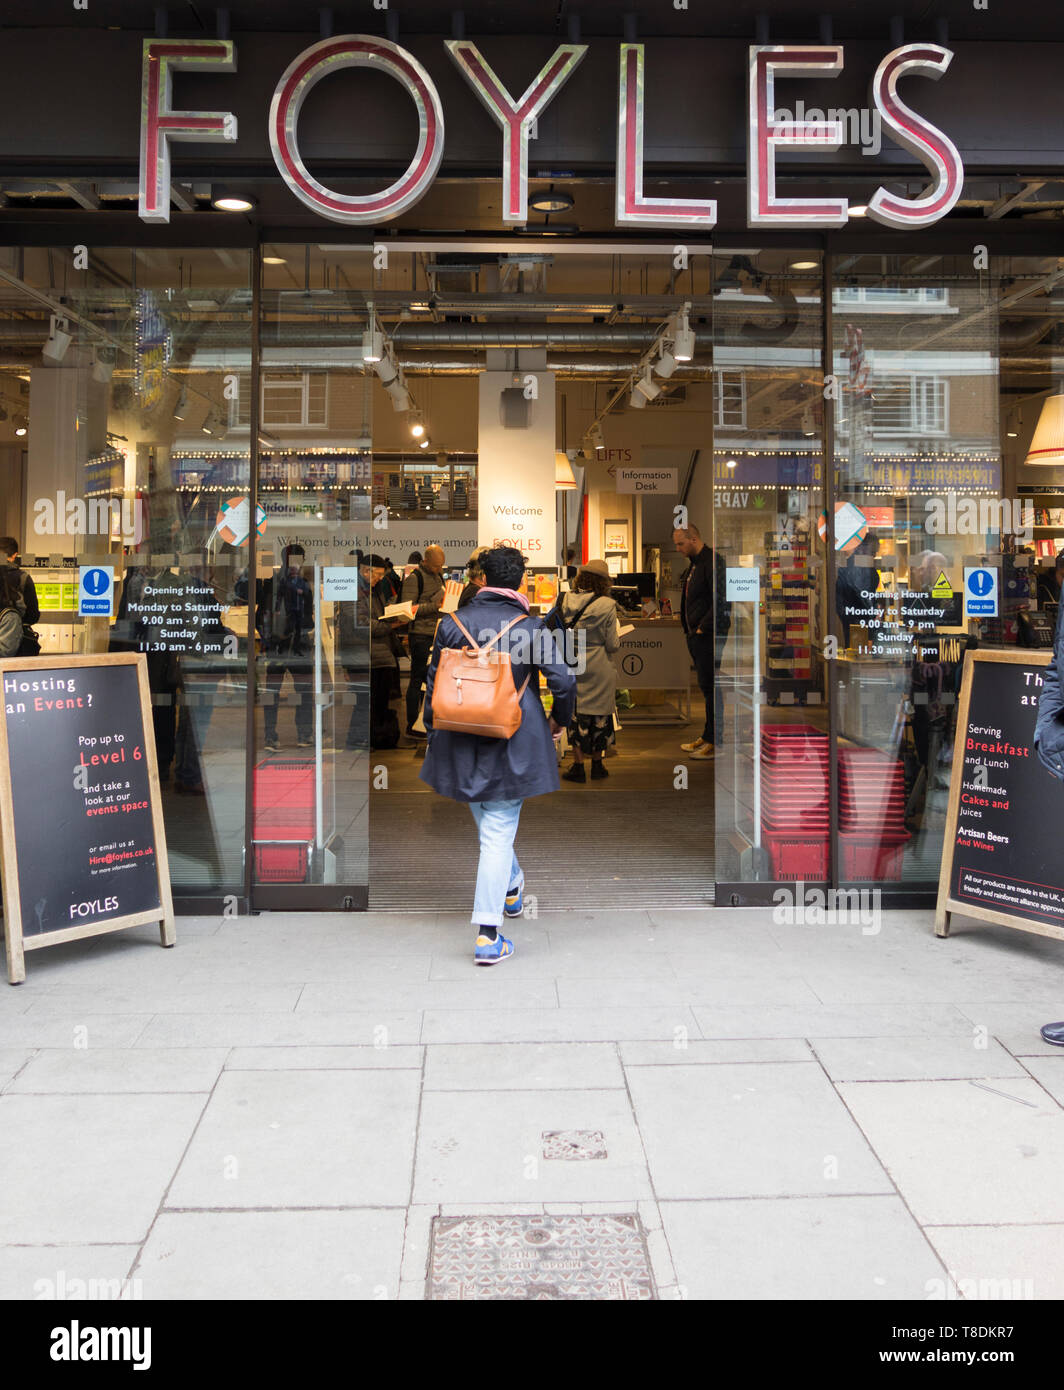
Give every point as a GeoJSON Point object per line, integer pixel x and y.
{"type": "Point", "coordinates": [576, 389]}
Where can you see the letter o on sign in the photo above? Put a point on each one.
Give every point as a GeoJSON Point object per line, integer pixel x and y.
{"type": "Point", "coordinates": [333, 55]}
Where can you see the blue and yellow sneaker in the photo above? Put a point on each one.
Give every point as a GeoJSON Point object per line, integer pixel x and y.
{"type": "Point", "coordinates": [515, 903]}
{"type": "Point", "coordinates": [491, 952]}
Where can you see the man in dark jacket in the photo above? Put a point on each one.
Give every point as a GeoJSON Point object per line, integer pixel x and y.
{"type": "Point", "coordinates": [494, 775]}
{"type": "Point", "coordinates": [355, 619]}
{"type": "Point", "coordinates": [1049, 745]}
{"type": "Point", "coordinates": [424, 588]}
{"type": "Point", "coordinates": [284, 616]}
{"type": "Point", "coordinates": [706, 619]}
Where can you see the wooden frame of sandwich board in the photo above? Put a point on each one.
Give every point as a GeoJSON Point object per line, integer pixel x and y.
{"type": "Point", "coordinates": [946, 906]}
{"type": "Point", "coordinates": [15, 943]}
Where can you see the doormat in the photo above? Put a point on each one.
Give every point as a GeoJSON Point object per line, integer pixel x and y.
{"type": "Point", "coordinates": [519, 1258]}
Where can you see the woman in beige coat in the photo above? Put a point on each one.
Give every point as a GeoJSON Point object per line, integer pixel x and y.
{"type": "Point", "coordinates": [590, 611]}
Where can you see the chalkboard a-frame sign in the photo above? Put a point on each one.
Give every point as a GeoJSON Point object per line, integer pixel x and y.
{"type": "Point", "coordinates": [1001, 859]}
{"type": "Point", "coordinates": [81, 825]}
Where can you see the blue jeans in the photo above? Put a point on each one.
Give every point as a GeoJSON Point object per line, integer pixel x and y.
{"type": "Point", "coordinates": [498, 869]}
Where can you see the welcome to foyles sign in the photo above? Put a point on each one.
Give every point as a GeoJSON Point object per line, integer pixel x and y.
{"type": "Point", "coordinates": [769, 129]}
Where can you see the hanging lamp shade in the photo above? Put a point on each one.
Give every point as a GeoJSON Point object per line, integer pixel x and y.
{"type": "Point", "coordinates": [1047, 446]}
{"type": "Point", "coordinates": [564, 477]}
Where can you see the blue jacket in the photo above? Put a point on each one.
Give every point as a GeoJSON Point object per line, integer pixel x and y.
{"type": "Point", "coordinates": [467, 767]}
{"type": "Point", "coordinates": [1049, 730]}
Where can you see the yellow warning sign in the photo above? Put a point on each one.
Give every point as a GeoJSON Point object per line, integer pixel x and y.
{"type": "Point", "coordinates": [942, 588]}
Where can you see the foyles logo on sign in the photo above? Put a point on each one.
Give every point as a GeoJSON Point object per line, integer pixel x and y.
{"type": "Point", "coordinates": [97, 516]}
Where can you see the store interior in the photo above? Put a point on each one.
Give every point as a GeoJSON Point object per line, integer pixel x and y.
{"type": "Point", "coordinates": [127, 384]}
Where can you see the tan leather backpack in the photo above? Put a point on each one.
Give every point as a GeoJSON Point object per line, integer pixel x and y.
{"type": "Point", "coordinates": [474, 691]}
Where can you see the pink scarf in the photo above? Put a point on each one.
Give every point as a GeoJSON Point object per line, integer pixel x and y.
{"type": "Point", "coordinates": [507, 593]}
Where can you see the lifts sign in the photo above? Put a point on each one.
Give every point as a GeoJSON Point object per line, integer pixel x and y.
{"type": "Point", "coordinates": [516, 117]}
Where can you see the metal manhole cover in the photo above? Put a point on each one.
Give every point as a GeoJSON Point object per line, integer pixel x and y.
{"type": "Point", "coordinates": [573, 1143]}
{"type": "Point", "coordinates": [539, 1257]}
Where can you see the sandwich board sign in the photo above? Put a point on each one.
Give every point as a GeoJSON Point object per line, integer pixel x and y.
{"type": "Point", "coordinates": [1001, 859]}
{"type": "Point", "coordinates": [81, 827]}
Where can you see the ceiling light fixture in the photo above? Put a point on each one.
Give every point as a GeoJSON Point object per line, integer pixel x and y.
{"type": "Point", "coordinates": [417, 429]}
{"type": "Point", "coordinates": [551, 200]}
{"type": "Point", "coordinates": [181, 408]}
{"type": "Point", "coordinates": [58, 340]}
{"type": "Point", "coordinates": [1047, 446]}
{"type": "Point", "coordinates": [372, 345]}
{"type": "Point", "coordinates": [225, 200]}
{"type": "Point", "coordinates": [683, 338]}
{"type": "Point", "coordinates": [729, 463]}
{"type": "Point", "coordinates": [274, 260]}
{"type": "Point", "coordinates": [424, 444]}
{"type": "Point", "coordinates": [804, 265]}
{"type": "Point", "coordinates": [859, 210]}
{"type": "Point", "coordinates": [646, 386]}
{"type": "Point", "coordinates": [666, 363]}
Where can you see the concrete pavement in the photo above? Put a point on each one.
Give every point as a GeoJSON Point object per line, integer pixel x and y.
{"type": "Point", "coordinates": [281, 1105]}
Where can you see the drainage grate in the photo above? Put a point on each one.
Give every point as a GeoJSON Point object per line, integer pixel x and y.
{"type": "Point", "coordinates": [574, 1143]}
{"type": "Point", "coordinates": [539, 1257]}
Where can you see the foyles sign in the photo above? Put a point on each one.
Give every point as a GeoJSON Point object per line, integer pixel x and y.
{"type": "Point", "coordinates": [769, 130]}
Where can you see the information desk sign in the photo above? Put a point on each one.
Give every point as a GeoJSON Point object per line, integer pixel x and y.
{"type": "Point", "coordinates": [1002, 858]}
{"type": "Point", "coordinates": [81, 826]}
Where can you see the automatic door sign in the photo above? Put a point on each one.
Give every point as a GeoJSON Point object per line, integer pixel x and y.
{"type": "Point", "coordinates": [632, 664]}
{"type": "Point", "coordinates": [96, 588]}
{"type": "Point", "coordinates": [980, 592]}
{"type": "Point", "coordinates": [233, 521]}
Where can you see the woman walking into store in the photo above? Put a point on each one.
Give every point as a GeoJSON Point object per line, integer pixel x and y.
{"type": "Point", "coordinates": [494, 776]}
{"type": "Point", "coordinates": [591, 615]}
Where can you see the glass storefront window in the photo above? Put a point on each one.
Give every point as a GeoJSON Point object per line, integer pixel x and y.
{"type": "Point", "coordinates": [119, 451]}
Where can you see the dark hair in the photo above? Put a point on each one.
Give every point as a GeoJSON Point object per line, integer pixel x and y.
{"type": "Point", "coordinates": [588, 582]}
{"type": "Point", "coordinates": [291, 550]}
{"type": "Point", "coordinates": [570, 554]}
{"type": "Point", "coordinates": [1059, 564]}
{"type": "Point", "coordinates": [373, 561]}
{"type": "Point", "coordinates": [414, 558]}
{"type": "Point", "coordinates": [8, 546]}
{"type": "Point", "coordinates": [10, 588]}
{"type": "Point", "coordinates": [388, 563]}
{"type": "Point", "coordinates": [503, 566]}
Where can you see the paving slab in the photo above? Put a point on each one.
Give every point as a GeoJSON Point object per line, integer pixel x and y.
{"type": "Point", "coordinates": [302, 1139]}
{"type": "Point", "coordinates": [912, 1059]}
{"type": "Point", "coordinates": [830, 1021]}
{"type": "Point", "coordinates": [538, 960]}
{"type": "Point", "coordinates": [482, 989]}
{"type": "Point", "coordinates": [1003, 1262]}
{"type": "Point", "coordinates": [522, 1067]}
{"type": "Point", "coordinates": [487, 1146]}
{"type": "Point", "coordinates": [67, 1273]}
{"type": "Point", "coordinates": [687, 1052]}
{"type": "Point", "coordinates": [1049, 1071]}
{"type": "Point", "coordinates": [87, 1169]}
{"type": "Point", "coordinates": [177, 997]}
{"type": "Point", "coordinates": [76, 1030]}
{"type": "Point", "coordinates": [12, 1060]}
{"type": "Point", "coordinates": [820, 1248]}
{"type": "Point", "coordinates": [753, 1130]}
{"type": "Point", "coordinates": [556, 1025]}
{"type": "Point", "coordinates": [711, 989]}
{"type": "Point", "coordinates": [120, 1069]}
{"type": "Point", "coordinates": [274, 1255]}
{"type": "Point", "coordinates": [963, 1154]}
{"type": "Point", "coordinates": [337, 1058]}
{"type": "Point", "coordinates": [382, 1026]}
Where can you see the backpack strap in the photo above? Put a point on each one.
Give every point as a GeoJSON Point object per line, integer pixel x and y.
{"type": "Point", "coordinates": [488, 645]}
